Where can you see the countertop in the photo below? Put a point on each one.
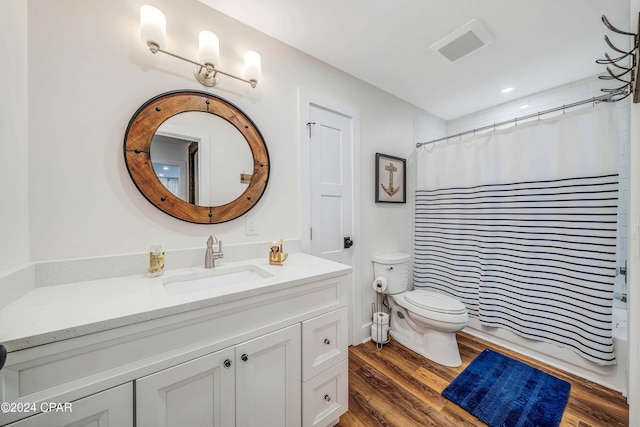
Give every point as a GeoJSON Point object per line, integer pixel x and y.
{"type": "Point", "coordinates": [53, 313]}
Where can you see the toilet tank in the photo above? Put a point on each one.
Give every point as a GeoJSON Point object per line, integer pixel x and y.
{"type": "Point", "coordinates": [394, 268]}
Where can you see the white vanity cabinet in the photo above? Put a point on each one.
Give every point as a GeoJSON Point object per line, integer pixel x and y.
{"type": "Point", "coordinates": [269, 356]}
{"type": "Point", "coordinates": [256, 383]}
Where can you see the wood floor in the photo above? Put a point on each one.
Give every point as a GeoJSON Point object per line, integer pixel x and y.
{"type": "Point", "coordinates": [397, 387]}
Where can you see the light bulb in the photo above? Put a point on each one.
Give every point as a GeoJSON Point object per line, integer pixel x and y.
{"type": "Point", "coordinates": [209, 48]}
{"type": "Point", "coordinates": [153, 26]}
{"type": "Point", "coordinates": [252, 66]}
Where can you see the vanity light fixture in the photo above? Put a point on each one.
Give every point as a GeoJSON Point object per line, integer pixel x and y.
{"type": "Point", "coordinates": [153, 32]}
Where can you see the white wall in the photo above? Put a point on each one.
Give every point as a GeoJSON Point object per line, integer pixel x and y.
{"type": "Point", "coordinates": [14, 207]}
{"type": "Point", "coordinates": [83, 202]}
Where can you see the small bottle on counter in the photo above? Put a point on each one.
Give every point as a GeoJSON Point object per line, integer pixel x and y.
{"type": "Point", "coordinates": [160, 253]}
{"type": "Point", "coordinates": [156, 260]}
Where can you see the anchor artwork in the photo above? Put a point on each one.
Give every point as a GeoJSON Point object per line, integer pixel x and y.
{"type": "Point", "coordinates": [390, 190]}
{"type": "Point", "coordinates": [390, 179]}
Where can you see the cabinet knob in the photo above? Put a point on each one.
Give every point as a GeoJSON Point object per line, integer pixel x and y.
{"type": "Point", "coordinates": [327, 397]}
{"type": "Point", "coordinates": [327, 341]}
{"type": "Point", "coordinates": [244, 357]}
{"type": "Point", "coordinates": [227, 363]}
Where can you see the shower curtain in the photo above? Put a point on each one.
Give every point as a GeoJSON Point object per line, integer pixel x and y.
{"type": "Point", "coordinates": [520, 225]}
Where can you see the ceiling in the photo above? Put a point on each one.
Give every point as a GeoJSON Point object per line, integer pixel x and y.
{"type": "Point", "coordinates": [537, 44]}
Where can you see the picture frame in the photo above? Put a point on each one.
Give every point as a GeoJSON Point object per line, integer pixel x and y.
{"type": "Point", "coordinates": [391, 179]}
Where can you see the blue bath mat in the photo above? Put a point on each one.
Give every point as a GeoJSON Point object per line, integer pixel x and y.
{"type": "Point", "coordinates": [503, 392]}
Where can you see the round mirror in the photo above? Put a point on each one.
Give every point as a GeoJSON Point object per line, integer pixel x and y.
{"type": "Point", "coordinates": [201, 158]}
{"type": "Point", "coordinates": [196, 157]}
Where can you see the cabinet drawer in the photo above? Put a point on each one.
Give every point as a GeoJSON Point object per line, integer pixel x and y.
{"type": "Point", "coordinates": [326, 396]}
{"type": "Point", "coordinates": [324, 342]}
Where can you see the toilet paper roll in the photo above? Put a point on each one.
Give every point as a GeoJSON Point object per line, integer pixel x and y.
{"type": "Point", "coordinates": [380, 318]}
{"type": "Point", "coordinates": [380, 334]}
{"type": "Point", "coordinates": [380, 284]}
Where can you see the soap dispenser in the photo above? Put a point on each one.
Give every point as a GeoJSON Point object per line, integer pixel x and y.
{"type": "Point", "coordinates": [156, 260]}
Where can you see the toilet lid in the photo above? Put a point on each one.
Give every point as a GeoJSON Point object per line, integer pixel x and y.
{"type": "Point", "coordinates": [435, 302]}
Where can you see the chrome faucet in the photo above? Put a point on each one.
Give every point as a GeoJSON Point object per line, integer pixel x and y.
{"type": "Point", "coordinates": [214, 252]}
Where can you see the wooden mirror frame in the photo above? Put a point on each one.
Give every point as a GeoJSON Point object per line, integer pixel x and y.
{"type": "Point", "coordinates": [137, 155]}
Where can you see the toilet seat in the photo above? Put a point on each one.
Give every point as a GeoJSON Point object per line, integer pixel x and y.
{"type": "Point", "coordinates": [434, 302]}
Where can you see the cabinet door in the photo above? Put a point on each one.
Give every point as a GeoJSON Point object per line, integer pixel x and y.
{"type": "Point", "coordinates": [110, 408]}
{"type": "Point", "coordinates": [196, 393]}
{"type": "Point", "coordinates": [268, 380]}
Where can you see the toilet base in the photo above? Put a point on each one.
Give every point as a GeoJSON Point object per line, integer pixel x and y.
{"type": "Point", "coordinates": [446, 356]}
{"type": "Point", "coordinates": [439, 347]}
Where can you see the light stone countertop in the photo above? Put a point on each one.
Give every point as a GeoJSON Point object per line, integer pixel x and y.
{"type": "Point", "coordinates": [53, 313]}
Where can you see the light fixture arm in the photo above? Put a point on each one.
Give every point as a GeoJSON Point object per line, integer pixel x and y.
{"type": "Point", "coordinates": [204, 73]}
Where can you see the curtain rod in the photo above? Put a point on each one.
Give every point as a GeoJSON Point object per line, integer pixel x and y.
{"type": "Point", "coordinates": [596, 99]}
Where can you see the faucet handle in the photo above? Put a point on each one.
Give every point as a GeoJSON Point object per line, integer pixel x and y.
{"type": "Point", "coordinates": [217, 250]}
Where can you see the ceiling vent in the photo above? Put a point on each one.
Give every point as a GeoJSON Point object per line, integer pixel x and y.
{"type": "Point", "coordinates": [466, 39]}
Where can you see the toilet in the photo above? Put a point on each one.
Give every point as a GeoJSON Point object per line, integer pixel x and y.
{"type": "Point", "coordinates": [423, 321]}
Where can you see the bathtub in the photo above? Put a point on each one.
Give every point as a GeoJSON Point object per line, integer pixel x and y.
{"type": "Point", "coordinates": [612, 376]}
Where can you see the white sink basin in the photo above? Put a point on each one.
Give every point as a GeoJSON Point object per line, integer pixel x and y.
{"type": "Point", "coordinates": [215, 278]}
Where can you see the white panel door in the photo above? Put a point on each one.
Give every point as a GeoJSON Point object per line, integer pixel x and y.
{"type": "Point", "coordinates": [331, 184]}
{"type": "Point", "coordinates": [268, 380]}
{"type": "Point", "coordinates": [195, 393]}
{"type": "Point", "coordinates": [110, 408]}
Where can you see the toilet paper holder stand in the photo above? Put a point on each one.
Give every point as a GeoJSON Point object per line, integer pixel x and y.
{"type": "Point", "coordinates": [380, 313]}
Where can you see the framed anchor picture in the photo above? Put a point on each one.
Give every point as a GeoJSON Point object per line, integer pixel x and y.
{"type": "Point", "coordinates": [391, 179]}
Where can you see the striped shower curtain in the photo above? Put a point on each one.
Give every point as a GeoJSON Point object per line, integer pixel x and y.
{"type": "Point", "coordinates": [520, 225]}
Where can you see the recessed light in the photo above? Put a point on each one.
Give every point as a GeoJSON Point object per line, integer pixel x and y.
{"type": "Point", "coordinates": [522, 107]}
{"type": "Point", "coordinates": [507, 89]}
{"type": "Point", "coordinates": [165, 168]}
{"type": "Point", "coordinates": [160, 174]}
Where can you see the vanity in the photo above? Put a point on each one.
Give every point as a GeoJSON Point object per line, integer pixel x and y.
{"type": "Point", "coordinates": [243, 344]}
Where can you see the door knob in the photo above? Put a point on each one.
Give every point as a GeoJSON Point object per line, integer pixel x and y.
{"type": "Point", "coordinates": [244, 357]}
{"type": "Point", "coordinates": [227, 363]}
{"type": "Point", "coordinates": [348, 242]}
